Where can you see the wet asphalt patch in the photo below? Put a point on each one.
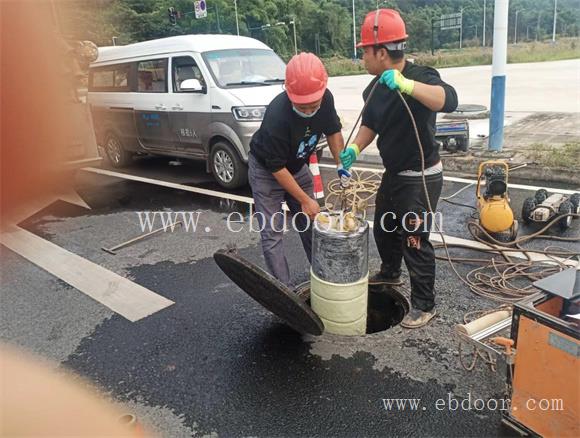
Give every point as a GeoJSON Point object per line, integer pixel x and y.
{"type": "Point", "coordinates": [230, 367]}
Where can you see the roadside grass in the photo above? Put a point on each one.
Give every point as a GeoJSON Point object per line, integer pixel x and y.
{"type": "Point", "coordinates": [567, 155]}
{"type": "Point", "coordinates": [565, 48]}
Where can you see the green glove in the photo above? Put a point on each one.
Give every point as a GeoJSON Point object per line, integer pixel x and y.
{"type": "Point", "coordinates": [349, 156]}
{"type": "Point", "coordinates": [395, 80]}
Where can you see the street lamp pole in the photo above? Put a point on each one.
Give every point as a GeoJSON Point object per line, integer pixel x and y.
{"type": "Point", "coordinates": [555, 16]}
{"type": "Point", "coordinates": [293, 23]}
{"type": "Point", "coordinates": [483, 32]}
{"type": "Point", "coordinates": [353, 31]}
{"type": "Point", "coordinates": [237, 23]}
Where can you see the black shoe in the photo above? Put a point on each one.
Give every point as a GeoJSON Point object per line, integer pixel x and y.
{"type": "Point", "coordinates": [384, 278]}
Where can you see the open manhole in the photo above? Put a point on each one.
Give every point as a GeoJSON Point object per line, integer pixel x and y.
{"type": "Point", "coordinates": [387, 306]}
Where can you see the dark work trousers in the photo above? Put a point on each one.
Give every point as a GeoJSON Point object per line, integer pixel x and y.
{"type": "Point", "coordinates": [397, 196]}
{"type": "Point", "coordinates": [268, 196]}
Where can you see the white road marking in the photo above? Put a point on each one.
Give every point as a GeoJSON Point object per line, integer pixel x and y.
{"type": "Point", "coordinates": [119, 294]}
{"type": "Point", "coordinates": [466, 181]}
{"type": "Point", "coordinates": [170, 185]}
{"type": "Point", "coordinates": [435, 236]}
{"type": "Point", "coordinates": [158, 182]}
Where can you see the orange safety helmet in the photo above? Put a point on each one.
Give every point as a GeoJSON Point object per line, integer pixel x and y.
{"type": "Point", "coordinates": [306, 78]}
{"type": "Point", "coordinates": [382, 26]}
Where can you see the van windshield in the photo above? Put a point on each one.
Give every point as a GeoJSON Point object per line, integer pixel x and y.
{"type": "Point", "coordinates": [234, 68]}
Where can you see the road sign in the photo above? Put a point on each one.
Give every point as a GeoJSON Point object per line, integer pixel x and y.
{"type": "Point", "coordinates": [450, 21]}
{"type": "Point", "coordinates": [200, 9]}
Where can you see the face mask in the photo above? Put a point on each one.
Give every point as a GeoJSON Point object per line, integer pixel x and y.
{"type": "Point", "coordinates": [304, 115]}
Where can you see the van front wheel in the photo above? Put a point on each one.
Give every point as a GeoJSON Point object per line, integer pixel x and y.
{"type": "Point", "coordinates": [116, 153]}
{"type": "Point", "coordinates": [227, 167]}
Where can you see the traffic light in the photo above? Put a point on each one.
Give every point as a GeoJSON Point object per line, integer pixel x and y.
{"type": "Point", "coordinates": [172, 14]}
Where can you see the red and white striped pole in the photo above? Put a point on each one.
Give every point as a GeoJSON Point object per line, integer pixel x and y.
{"type": "Point", "coordinates": [318, 186]}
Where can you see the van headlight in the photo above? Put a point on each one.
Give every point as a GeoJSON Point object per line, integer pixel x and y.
{"type": "Point", "coordinates": [249, 113]}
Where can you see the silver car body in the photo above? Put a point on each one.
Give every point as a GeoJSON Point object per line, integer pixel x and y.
{"type": "Point", "coordinates": [134, 93]}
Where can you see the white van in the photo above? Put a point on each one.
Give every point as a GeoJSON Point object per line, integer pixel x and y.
{"type": "Point", "coordinates": [192, 96]}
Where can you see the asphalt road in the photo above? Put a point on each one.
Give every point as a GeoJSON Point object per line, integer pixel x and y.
{"type": "Point", "coordinates": [216, 362]}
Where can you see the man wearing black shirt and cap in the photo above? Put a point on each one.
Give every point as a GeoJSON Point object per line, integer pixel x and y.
{"type": "Point", "coordinates": [402, 221]}
{"type": "Point", "coordinates": [292, 126]}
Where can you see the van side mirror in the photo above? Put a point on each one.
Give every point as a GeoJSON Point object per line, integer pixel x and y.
{"type": "Point", "coordinates": [191, 85]}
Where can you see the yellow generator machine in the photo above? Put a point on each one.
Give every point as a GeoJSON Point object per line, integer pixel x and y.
{"type": "Point", "coordinates": [495, 214]}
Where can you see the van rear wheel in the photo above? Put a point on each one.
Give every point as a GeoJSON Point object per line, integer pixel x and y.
{"type": "Point", "coordinates": [227, 167]}
{"type": "Point", "coordinates": [116, 153]}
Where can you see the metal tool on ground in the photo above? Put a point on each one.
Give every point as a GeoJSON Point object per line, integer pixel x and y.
{"type": "Point", "coordinates": [113, 250]}
{"type": "Point", "coordinates": [543, 207]}
{"type": "Point", "coordinates": [495, 213]}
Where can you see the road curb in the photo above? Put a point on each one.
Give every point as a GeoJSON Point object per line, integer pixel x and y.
{"type": "Point", "coordinates": [468, 164]}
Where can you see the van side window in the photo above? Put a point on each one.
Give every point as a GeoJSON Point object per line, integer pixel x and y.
{"type": "Point", "coordinates": [152, 76]}
{"type": "Point", "coordinates": [185, 67]}
{"type": "Point", "coordinates": [109, 78]}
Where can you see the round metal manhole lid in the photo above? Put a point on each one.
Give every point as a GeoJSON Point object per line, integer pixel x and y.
{"type": "Point", "coordinates": [470, 108]}
{"type": "Point", "coordinates": [269, 292]}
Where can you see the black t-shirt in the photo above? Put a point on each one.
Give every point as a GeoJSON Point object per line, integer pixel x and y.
{"type": "Point", "coordinates": [386, 115]}
{"type": "Point", "coordinates": [285, 139]}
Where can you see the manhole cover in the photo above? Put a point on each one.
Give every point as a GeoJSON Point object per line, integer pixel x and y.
{"type": "Point", "coordinates": [470, 108]}
{"type": "Point", "coordinates": [269, 292]}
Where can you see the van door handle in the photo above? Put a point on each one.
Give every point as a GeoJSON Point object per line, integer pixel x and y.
{"type": "Point", "coordinates": [177, 107]}
{"type": "Point", "coordinates": [160, 107]}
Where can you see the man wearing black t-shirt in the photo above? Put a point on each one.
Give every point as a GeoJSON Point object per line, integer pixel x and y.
{"type": "Point", "coordinates": [292, 126]}
{"type": "Point", "coordinates": [402, 220]}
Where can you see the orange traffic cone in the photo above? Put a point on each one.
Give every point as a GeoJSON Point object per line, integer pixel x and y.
{"type": "Point", "coordinates": [318, 186]}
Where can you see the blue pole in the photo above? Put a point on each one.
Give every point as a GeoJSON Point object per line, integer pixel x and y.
{"type": "Point", "coordinates": [497, 107]}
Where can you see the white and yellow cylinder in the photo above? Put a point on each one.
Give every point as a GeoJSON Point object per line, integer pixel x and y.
{"type": "Point", "coordinates": [339, 274]}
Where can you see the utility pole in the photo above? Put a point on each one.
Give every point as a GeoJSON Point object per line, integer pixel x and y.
{"type": "Point", "coordinates": [500, 36]}
{"type": "Point", "coordinates": [353, 31]}
{"type": "Point", "coordinates": [217, 11]}
{"type": "Point", "coordinates": [237, 23]}
{"type": "Point", "coordinates": [461, 29]}
{"type": "Point", "coordinates": [555, 18]}
{"type": "Point", "coordinates": [516, 27]}
{"type": "Point", "coordinates": [483, 38]}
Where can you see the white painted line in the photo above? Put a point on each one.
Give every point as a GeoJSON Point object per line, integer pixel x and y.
{"type": "Point", "coordinates": [466, 181]}
{"type": "Point", "coordinates": [170, 185]}
{"type": "Point", "coordinates": [435, 236]}
{"type": "Point", "coordinates": [119, 294]}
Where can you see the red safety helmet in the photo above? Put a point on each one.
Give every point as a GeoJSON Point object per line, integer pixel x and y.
{"type": "Point", "coordinates": [381, 27]}
{"type": "Point", "coordinates": [306, 78]}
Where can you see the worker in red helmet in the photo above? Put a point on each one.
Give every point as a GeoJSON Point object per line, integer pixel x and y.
{"type": "Point", "coordinates": [402, 220]}
{"type": "Point", "coordinates": [279, 152]}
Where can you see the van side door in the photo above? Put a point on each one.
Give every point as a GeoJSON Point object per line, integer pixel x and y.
{"type": "Point", "coordinates": [151, 105]}
{"type": "Point", "coordinates": [190, 111]}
